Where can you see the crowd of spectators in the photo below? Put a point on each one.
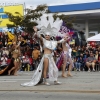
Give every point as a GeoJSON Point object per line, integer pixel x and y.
{"type": "Point", "coordinates": [84, 58]}
{"type": "Point", "coordinates": [29, 48]}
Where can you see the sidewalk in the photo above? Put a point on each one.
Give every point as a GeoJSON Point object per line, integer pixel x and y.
{"type": "Point", "coordinates": [80, 82]}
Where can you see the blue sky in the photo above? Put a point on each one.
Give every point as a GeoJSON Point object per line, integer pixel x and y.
{"type": "Point", "coordinates": [34, 3]}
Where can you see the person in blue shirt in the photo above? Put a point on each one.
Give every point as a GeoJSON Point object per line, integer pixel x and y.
{"type": "Point", "coordinates": [79, 64]}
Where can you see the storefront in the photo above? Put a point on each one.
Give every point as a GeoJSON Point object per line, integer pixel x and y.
{"type": "Point", "coordinates": [87, 15]}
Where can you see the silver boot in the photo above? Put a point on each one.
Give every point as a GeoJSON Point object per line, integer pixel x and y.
{"type": "Point", "coordinates": [57, 83]}
{"type": "Point", "coordinates": [45, 82]}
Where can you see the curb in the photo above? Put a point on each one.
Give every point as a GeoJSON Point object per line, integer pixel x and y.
{"type": "Point", "coordinates": [72, 91]}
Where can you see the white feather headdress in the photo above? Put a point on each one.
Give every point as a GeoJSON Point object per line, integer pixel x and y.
{"type": "Point", "coordinates": [49, 27]}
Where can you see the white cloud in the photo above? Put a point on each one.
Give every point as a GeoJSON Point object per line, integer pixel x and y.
{"type": "Point", "coordinates": [34, 3]}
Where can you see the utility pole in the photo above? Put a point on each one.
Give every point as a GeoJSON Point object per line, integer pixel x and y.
{"type": "Point", "coordinates": [25, 12]}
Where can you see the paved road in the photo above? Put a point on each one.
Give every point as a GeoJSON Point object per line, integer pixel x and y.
{"type": "Point", "coordinates": [82, 86]}
{"type": "Point", "coordinates": [82, 81]}
{"type": "Point", "coordinates": [29, 95]}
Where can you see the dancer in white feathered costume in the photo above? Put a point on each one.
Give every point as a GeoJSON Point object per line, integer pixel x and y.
{"type": "Point", "coordinates": [47, 63]}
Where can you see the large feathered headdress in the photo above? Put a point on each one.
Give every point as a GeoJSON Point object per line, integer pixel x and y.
{"type": "Point", "coordinates": [48, 26]}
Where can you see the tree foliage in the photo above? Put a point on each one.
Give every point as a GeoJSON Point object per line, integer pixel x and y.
{"type": "Point", "coordinates": [67, 19]}
{"type": "Point", "coordinates": [27, 21]}
{"type": "Point", "coordinates": [15, 19]}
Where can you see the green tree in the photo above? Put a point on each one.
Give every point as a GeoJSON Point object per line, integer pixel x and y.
{"type": "Point", "coordinates": [15, 20]}
{"type": "Point", "coordinates": [67, 19]}
{"type": "Point", "coordinates": [27, 21]}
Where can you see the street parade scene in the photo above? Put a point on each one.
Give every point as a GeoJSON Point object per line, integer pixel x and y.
{"type": "Point", "coordinates": [49, 51]}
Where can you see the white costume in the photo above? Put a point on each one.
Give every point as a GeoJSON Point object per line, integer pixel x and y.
{"type": "Point", "coordinates": [53, 70]}
{"type": "Point", "coordinates": [67, 55]}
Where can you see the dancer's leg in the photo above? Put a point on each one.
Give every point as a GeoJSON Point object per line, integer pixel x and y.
{"type": "Point", "coordinates": [9, 71]}
{"type": "Point", "coordinates": [64, 65]}
{"type": "Point", "coordinates": [46, 63]}
{"type": "Point", "coordinates": [16, 69]}
{"type": "Point", "coordinates": [45, 69]}
{"type": "Point", "coordinates": [13, 69]}
{"type": "Point", "coordinates": [70, 66]}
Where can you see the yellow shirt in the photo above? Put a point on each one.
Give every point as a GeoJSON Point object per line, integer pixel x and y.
{"type": "Point", "coordinates": [35, 54]}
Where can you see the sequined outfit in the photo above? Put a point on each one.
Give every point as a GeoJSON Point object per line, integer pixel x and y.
{"type": "Point", "coordinates": [67, 55]}
{"type": "Point", "coordinates": [53, 70]}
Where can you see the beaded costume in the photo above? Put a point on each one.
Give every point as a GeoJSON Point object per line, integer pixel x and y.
{"type": "Point", "coordinates": [51, 45]}
{"type": "Point", "coordinates": [53, 71]}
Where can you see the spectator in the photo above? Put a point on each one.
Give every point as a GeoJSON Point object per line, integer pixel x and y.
{"type": "Point", "coordinates": [79, 64]}
{"type": "Point", "coordinates": [74, 52]}
{"type": "Point", "coordinates": [91, 62]}
{"type": "Point", "coordinates": [79, 50]}
{"type": "Point", "coordinates": [99, 57]}
{"type": "Point", "coordinates": [35, 56]}
{"type": "Point", "coordinates": [1, 52]}
{"type": "Point", "coordinates": [1, 45]}
{"type": "Point", "coordinates": [4, 60]}
{"type": "Point", "coordinates": [28, 51]}
{"type": "Point", "coordinates": [86, 55]}
{"type": "Point", "coordinates": [25, 62]}
{"type": "Point", "coordinates": [5, 51]}
{"type": "Point", "coordinates": [96, 56]}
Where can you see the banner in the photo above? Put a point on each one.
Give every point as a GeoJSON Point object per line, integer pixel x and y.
{"type": "Point", "coordinates": [12, 9]}
{"type": "Point", "coordinates": [65, 30]}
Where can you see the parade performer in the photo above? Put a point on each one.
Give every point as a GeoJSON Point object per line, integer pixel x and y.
{"type": "Point", "coordinates": [15, 61]}
{"type": "Point", "coordinates": [66, 49]}
{"type": "Point", "coordinates": [66, 59]}
{"type": "Point", "coordinates": [14, 64]}
{"type": "Point", "coordinates": [47, 64]}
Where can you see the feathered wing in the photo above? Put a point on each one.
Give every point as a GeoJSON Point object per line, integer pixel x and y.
{"type": "Point", "coordinates": [47, 23]}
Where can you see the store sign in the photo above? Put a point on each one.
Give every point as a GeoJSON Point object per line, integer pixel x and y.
{"type": "Point", "coordinates": [4, 20]}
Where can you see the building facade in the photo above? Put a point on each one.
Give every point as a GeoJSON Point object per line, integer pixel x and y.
{"type": "Point", "coordinates": [87, 15]}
